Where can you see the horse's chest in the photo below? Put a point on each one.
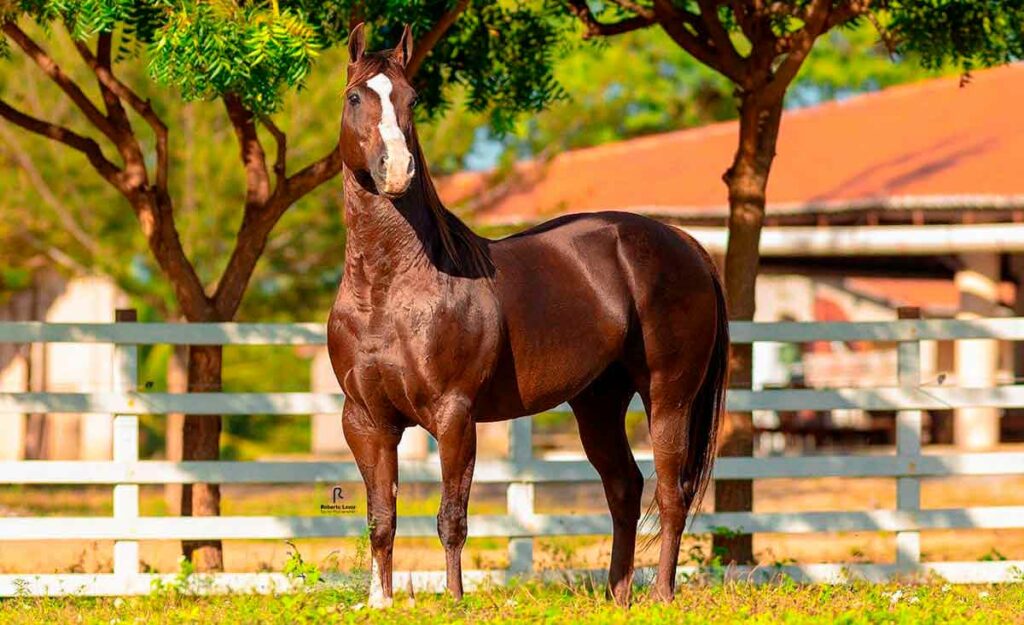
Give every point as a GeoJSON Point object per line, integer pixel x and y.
{"type": "Point", "coordinates": [401, 354]}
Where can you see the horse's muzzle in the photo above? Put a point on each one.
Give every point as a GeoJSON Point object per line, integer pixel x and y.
{"type": "Point", "coordinates": [393, 175]}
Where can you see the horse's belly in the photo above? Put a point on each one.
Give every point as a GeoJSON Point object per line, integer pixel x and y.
{"type": "Point", "coordinates": [529, 381]}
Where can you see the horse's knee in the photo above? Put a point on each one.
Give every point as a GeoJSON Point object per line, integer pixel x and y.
{"type": "Point", "coordinates": [452, 527]}
{"type": "Point", "coordinates": [382, 532]}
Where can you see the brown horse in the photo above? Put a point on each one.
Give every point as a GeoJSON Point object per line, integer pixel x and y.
{"type": "Point", "coordinates": [437, 327]}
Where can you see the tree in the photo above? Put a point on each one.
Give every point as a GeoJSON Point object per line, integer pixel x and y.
{"type": "Point", "coordinates": [245, 56]}
{"type": "Point", "coordinates": [760, 47]}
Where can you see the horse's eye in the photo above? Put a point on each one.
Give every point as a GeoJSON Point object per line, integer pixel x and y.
{"type": "Point", "coordinates": [414, 102]}
{"type": "Point", "coordinates": [353, 98]}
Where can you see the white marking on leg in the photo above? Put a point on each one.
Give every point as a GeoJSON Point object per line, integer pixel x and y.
{"type": "Point", "coordinates": [398, 156]}
{"type": "Point", "coordinates": [377, 598]}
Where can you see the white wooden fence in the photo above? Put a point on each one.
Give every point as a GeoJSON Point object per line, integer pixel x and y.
{"type": "Point", "coordinates": [521, 472]}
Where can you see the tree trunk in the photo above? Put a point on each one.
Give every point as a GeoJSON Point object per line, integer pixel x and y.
{"type": "Point", "coordinates": [201, 441]}
{"type": "Point", "coordinates": [747, 180]}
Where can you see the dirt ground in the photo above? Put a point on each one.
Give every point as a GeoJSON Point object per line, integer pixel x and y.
{"type": "Point", "coordinates": [584, 552]}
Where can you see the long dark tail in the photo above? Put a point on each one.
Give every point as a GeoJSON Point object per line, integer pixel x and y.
{"type": "Point", "coordinates": [706, 413]}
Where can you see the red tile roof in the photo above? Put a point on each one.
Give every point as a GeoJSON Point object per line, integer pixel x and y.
{"type": "Point", "coordinates": [929, 295]}
{"type": "Point", "coordinates": [932, 138]}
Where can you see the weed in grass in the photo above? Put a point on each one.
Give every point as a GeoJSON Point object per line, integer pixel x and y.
{"type": "Point", "coordinates": [302, 574]}
{"type": "Point", "coordinates": [992, 555]}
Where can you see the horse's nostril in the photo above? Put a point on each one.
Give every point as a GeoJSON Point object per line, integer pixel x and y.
{"type": "Point", "coordinates": [412, 166]}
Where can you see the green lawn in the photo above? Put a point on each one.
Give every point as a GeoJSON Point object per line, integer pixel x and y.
{"type": "Point", "coordinates": [722, 603]}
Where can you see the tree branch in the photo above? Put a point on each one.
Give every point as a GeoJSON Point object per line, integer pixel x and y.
{"type": "Point", "coordinates": [314, 174]}
{"type": "Point", "coordinates": [429, 40]}
{"type": "Point", "coordinates": [152, 207]}
{"type": "Point", "coordinates": [673, 21]}
{"type": "Point", "coordinates": [281, 156]}
{"type": "Point", "coordinates": [257, 181]}
{"type": "Point", "coordinates": [115, 111]}
{"type": "Point", "coordinates": [741, 11]}
{"type": "Point", "coordinates": [153, 211]}
{"type": "Point", "coordinates": [719, 37]}
{"type": "Point", "coordinates": [635, 7]}
{"type": "Point", "coordinates": [851, 9]}
{"type": "Point", "coordinates": [254, 232]}
{"type": "Point", "coordinates": [119, 91]}
{"type": "Point", "coordinates": [68, 137]}
{"type": "Point", "coordinates": [57, 75]}
{"type": "Point", "coordinates": [594, 28]}
{"type": "Point", "coordinates": [816, 18]}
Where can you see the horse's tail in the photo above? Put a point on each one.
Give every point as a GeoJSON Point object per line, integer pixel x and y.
{"type": "Point", "coordinates": [706, 412]}
{"type": "Point", "coordinates": [705, 416]}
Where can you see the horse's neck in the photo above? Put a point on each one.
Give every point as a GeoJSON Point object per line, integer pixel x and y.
{"type": "Point", "coordinates": [387, 237]}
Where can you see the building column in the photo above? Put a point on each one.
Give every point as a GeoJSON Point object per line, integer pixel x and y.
{"type": "Point", "coordinates": [13, 379]}
{"type": "Point", "coordinates": [977, 360]}
{"type": "Point", "coordinates": [96, 437]}
{"type": "Point", "coordinates": [328, 437]}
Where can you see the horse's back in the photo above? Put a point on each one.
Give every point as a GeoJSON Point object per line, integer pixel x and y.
{"type": "Point", "coordinates": [583, 291]}
{"type": "Point", "coordinates": [609, 251]}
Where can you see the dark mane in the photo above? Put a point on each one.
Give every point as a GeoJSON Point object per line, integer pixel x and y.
{"type": "Point", "coordinates": [467, 251]}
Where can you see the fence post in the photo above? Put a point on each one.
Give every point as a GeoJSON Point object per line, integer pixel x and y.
{"type": "Point", "coordinates": [519, 497]}
{"type": "Point", "coordinates": [126, 447]}
{"type": "Point", "coordinates": [908, 445]}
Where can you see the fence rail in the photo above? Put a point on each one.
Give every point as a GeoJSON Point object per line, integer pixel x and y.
{"type": "Point", "coordinates": [520, 472]}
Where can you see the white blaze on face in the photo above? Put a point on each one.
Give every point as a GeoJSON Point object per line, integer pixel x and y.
{"type": "Point", "coordinates": [397, 156]}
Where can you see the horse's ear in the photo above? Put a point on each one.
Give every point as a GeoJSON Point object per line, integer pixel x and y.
{"type": "Point", "coordinates": [403, 51]}
{"type": "Point", "coordinates": [356, 44]}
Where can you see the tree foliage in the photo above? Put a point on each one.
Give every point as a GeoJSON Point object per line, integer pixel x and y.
{"type": "Point", "coordinates": [969, 33]}
{"type": "Point", "coordinates": [503, 53]}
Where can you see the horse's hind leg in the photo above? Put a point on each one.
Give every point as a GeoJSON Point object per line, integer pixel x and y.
{"type": "Point", "coordinates": [669, 409]}
{"type": "Point", "coordinates": [601, 411]}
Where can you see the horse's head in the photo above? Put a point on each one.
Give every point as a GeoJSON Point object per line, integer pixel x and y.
{"type": "Point", "coordinates": [376, 127]}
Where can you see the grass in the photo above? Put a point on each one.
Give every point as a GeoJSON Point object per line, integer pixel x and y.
{"type": "Point", "coordinates": [705, 598]}
{"type": "Point", "coordinates": [784, 602]}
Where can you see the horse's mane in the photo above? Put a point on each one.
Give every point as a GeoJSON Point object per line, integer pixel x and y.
{"type": "Point", "coordinates": [466, 250]}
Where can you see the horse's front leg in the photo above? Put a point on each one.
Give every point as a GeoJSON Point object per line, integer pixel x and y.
{"type": "Point", "coordinates": [456, 445]}
{"type": "Point", "coordinates": [375, 449]}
